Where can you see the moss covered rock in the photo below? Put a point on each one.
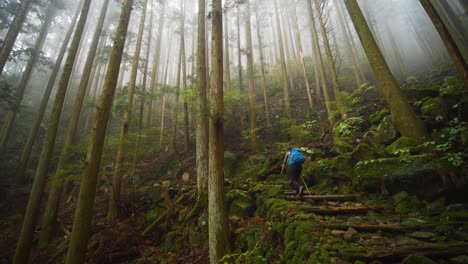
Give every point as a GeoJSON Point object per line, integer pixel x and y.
{"type": "Point", "coordinates": [365, 151]}
{"type": "Point", "coordinates": [453, 90]}
{"type": "Point", "coordinates": [420, 91]}
{"type": "Point", "coordinates": [386, 131]}
{"type": "Point", "coordinates": [240, 203]}
{"type": "Point", "coordinates": [341, 147]}
{"type": "Point", "coordinates": [414, 174]}
{"type": "Point", "coordinates": [418, 259]}
{"type": "Point", "coordinates": [350, 129]}
{"type": "Point", "coordinates": [342, 166]}
{"type": "Point", "coordinates": [401, 143]}
{"type": "Point", "coordinates": [317, 172]}
{"type": "Point", "coordinates": [377, 117]}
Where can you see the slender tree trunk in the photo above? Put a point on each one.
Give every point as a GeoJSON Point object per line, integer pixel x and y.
{"type": "Point", "coordinates": [25, 241]}
{"type": "Point", "coordinates": [217, 215]}
{"type": "Point", "coordinates": [301, 55]}
{"type": "Point", "coordinates": [239, 52]}
{"type": "Point", "coordinates": [13, 32]}
{"type": "Point", "coordinates": [202, 107]}
{"type": "Point", "coordinates": [262, 69]}
{"type": "Point", "coordinates": [286, 103]}
{"type": "Point", "coordinates": [330, 61]}
{"type": "Point", "coordinates": [250, 77]}
{"type": "Point", "coordinates": [145, 74]}
{"type": "Point", "coordinates": [81, 231]}
{"type": "Point", "coordinates": [172, 146]}
{"type": "Point", "coordinates": [227, 63]}
{"type": "Point", "coordinates": [19, 93]}
{"type": "Point", "coordinates": [115, 195]}
{"type": "Point", "coordinates": [163, 108]}
{"type": "Point", "coordinates": [65, 160]}
{"type": "Point", "coordinates": [349, 46]}
{"type": "Point", "coordinates": [319, 64]}
{"type": "Point", "coordinates": [123, 68]}
{"type": "Point", "coordinates": [155, 69]}
{"type": "Point", "coordinates": [26, 153]}
{"type": "Point", "coordinates": [403, 115]}
{"type": "Point", "coordinates": [448, 41]}
{"type": "Point", "coordinates": [184, 82]}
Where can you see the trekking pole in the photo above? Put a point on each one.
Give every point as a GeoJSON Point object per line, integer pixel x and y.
{"type": "Point", "coordinates": [307, 187]}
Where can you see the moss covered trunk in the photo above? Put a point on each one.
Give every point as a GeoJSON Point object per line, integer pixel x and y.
{"type": "Point", "coordinates": [217, 215]}
{"type": "Point", "coordinates": [115, 196]}
{"type": "Point", "coordinates": [30, 217]}
{"type": "Point", "coordinates": [81, 231]}
{"type": "Point", "coordinates": [403, 116]}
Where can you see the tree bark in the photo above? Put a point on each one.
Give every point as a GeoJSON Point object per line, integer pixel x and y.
{"type": "Point", "coordinates": [25, 241]}
{"type": "Point", "coordinates": [227, 63]}
{"type": "Point", "coordinates": [403, 116]}
{"type": "Point", "coordinates": [172, 145]}
{"type": "Point", "coordinates": [115, 195]}
{"type": "Point", "coordinates": [13, 32]}
{"type": "Point", "coordinates": [184, 82]}
{"type": "Point", "coordinates": [202, 107]}
{"type": "Point", "coordinates": [65, 160]}
{"type": "Point", "coordinates": [217, 215]}
{"type": "Point", "coordinates": [145, 73]}
{"type": "Point", "coordinates": [81, 231]}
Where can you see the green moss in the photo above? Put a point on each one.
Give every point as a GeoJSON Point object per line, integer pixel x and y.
{"type": "Point", "coordinates": [350, 129]}
{"type": "Point", "coordinates": [341, 147]}
{"type": "Point", "coordinates": [377, 117]}
{"type": "Point", "coordinates": [275, 190]}
{"type": "Point", "coordinates": [417, 259]}
{"type": "Point", "coordinates": [173, 242]}
{"type": "Point", "coordinates": [240, 203]}
{"type": "Point", "coordinates": [436, 108]}
{"type": "Point", "coordinates": [366, 151]}
{"type": "Point", "coordinates": [230, 162]}
{"type": "Point", "coordinates": [386, 131]}
{"type": "Point", "coordinates": [402, 143]}
{"type": "Point", "coordinates": [342, 166]}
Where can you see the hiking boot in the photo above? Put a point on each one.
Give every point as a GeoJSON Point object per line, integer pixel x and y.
{"type": "Point", "coordinates": [300, 191]}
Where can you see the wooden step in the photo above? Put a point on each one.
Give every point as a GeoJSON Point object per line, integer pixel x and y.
{"type": "Point", "coordinates": [323, 197]}
{"type": "Point", "coordinates": [335, 210]}
{"type": "Point", "coordinates": [393, 228]}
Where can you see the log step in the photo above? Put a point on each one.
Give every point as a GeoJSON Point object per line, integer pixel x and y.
{"type": "Point", "coordinates": [428, 250]}
{"type": "Point", "coordinates": [323, 197]}
{"type": "Point", "coordinates": [335, 210]}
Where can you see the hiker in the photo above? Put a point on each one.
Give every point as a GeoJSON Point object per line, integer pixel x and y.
{"type": "Point", "coordinates": [296, 159]}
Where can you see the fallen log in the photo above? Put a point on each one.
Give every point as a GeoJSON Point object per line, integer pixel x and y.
{"type": "Point", "coordinates": [323, 197]}
{"type": "Point", "coordinates": [428, 250]}
{"type": "Point", "coordinates": [346, 209]}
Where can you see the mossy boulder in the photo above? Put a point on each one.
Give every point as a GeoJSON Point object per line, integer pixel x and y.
{"type": "Point", "coordinates": [436, 108]}
{"type": "Point", "coordinates": [342, 166]}
{"type": "Point", "coordinates": [365, 151]}
{"type": "Point", "coordinates": [405, 203]}
{"type": "Point", "coordinates": [420, 91]}
{"type": "Point", "coordinates": [453, 90]}
{"type": "Point", "coordinates": [317, 172]}
{"type": "Point", "coordinates": [402, 143]}
{"type": "Point", "coordinates": [341, 147]}
{"type": "Point", "coordinates": [350, 129]}
{"type": "Point", "coordinates": [173, 242]}
{"type": "Point", "coordinates": [240, 204]}
{"type": "Point", "coordinates": [418, 259]}
{"type": "Point", "coordinates": [414, 174]}
{"type": "Point", "coordinates": [386, 131]}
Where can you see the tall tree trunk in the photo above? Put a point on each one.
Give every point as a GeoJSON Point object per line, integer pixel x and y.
{"type": "Point", "coordinates": [330, 61]}
{"type": "Point", "coordinates": [262, 69]}
{"type": "Point", "coordinates": [448, 41]}
{"type": "Point", "coordinates": [155, 69]}
{"type": "Point", "coordinates": [286, 103]}
{"type": "Point", "coordinates": [301, 55]}
{"type": "Point", "coordinates": [115, 195]}
{"type": "Point", "coordinates": [25, 240]}
{"type": "Point", "coordinates": [398, 56]}
{"type": "Point", "coordinates": [172, 146]}
{"type": "Point", "coordinates": [349, 46]}
{"type": "Point", "coordinates": [26, 153]}
{"type": "Point", "coordinates": [217, 215]}
{"type": "Point", "coordinates": [65, 160]}
{"type": "Point", "coordinates": [13, 32]}
{"type": "Point", "coordinates": [403, 115]}
{"type": "Point", "coordinates": [319, 63]}
{"type": "Point", "coordinates": [163, 108]}
{"type": "Point", "coordinates": [184, 81]}
{"type": "Point", "coordinates": [123, 68]}
{"type": "Point", "coordinates": [227, 63]}
{"type": "Point", "coordinates": [145, 73]}
{"type": "Point", "coordinates": [250, 77]}
{"type": "Point", "coordinates": [239, 52]}
{"type": "Point", "coordinates": [81, 231]}
{"type": "Point", "coordinates": [202, 107]}
{"type": "Point", "coordinates": [19, 93]}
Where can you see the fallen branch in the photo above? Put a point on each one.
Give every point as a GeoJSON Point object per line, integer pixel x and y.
{"type": "Point", "coordinates": [345, 209]}
{"type": "Point", "coordinates": [323, 197]}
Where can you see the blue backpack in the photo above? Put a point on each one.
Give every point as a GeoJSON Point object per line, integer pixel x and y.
{"type": "Point", "coordinates": [296, 157]}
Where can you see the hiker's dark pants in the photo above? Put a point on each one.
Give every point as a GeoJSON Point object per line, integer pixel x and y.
{"type": "Point", "coordinates": [294, 173]}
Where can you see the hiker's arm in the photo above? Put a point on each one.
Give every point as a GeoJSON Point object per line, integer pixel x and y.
{"type": "Point", "coordinates": [286, 157]}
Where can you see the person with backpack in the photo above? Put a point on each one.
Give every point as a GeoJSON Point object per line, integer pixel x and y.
{"type": "Point", "coordinates": [296, 159]}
